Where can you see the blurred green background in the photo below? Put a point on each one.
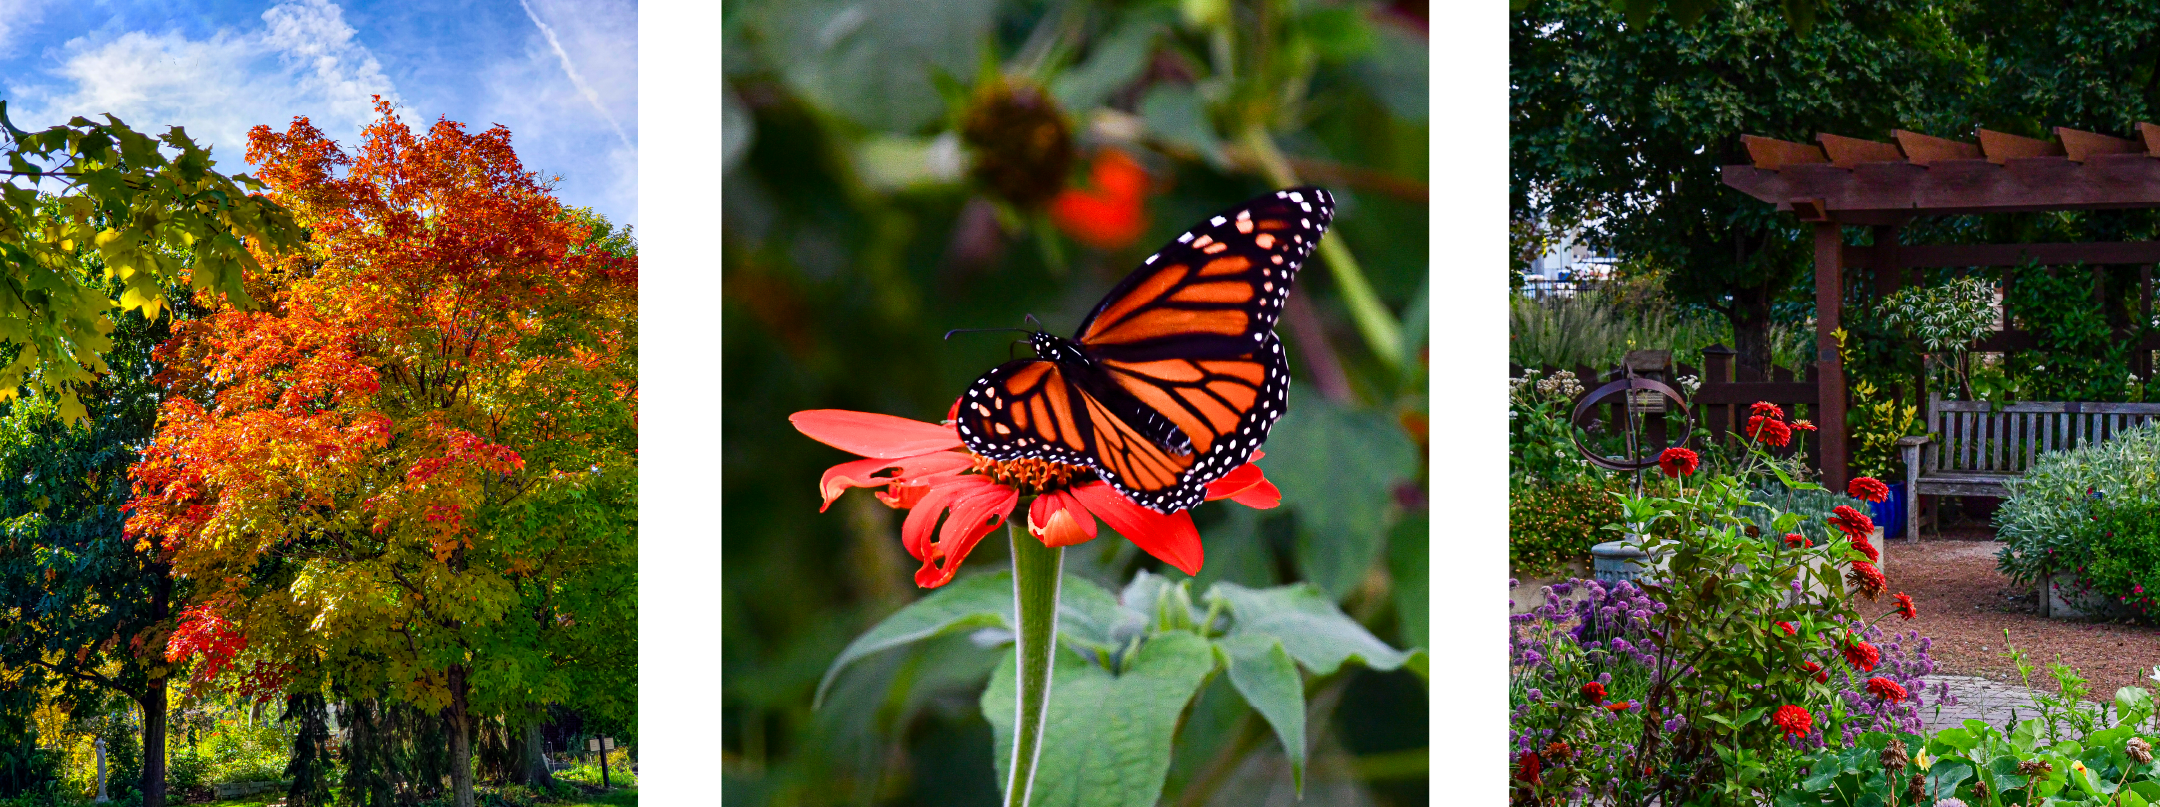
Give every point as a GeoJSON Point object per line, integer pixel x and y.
{"type": "Point", "coordinates": [894, 169]}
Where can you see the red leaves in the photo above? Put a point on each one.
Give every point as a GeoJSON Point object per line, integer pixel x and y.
{"type": "Point", "coordinates": [204, 634]}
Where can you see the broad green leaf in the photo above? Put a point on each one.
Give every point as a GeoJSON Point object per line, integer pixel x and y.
{"type": "Point", "coordinates": [1177, 114]}
{"type": "Point", "coordinates": [870, 60]}
{"type": "Point", "coordinates": [1090, 617]}
{"type": "Point", "coordinates": [1409, 548]}
{"type": "Point", "coordinates": [982, 601]}
{"type": "Point", "coordinates": [1337, 469]}
{"type": "Point", "coordinates": [1262, 672]}
{"type": "Point", "coordinates": [1112, 62]}
{"type": "Point", "coordinates": [1314, 631]}
{"type": "Point", "coordinates": [1946, 773]}
{"type": "Point", "coordinates": [1108, 737]}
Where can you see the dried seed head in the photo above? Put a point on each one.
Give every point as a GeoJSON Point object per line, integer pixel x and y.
{"type": "Point", "coordinates": [2139, 750]}
{"type": "Point", "coordinates": [1980, 790]}
{"type": "Point", "coordinates": [1916, 789]}
{"type": "Point", "coordinates": [1893, 755]}
{"type": "Point", "coordinates": [2035, 768]}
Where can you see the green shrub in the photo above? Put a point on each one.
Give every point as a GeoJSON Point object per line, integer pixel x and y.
{"type": "Point", "coordinates": [1550, 525]}
{"type": "Point", "coordinates": [2089, 511]}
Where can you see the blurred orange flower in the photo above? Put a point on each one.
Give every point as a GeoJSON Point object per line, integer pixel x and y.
{"type": "Point", "coordinates": [1110, 216]}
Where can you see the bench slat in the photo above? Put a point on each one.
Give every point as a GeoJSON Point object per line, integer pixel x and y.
{"type": "Point", "coordinates": [2080, 407]}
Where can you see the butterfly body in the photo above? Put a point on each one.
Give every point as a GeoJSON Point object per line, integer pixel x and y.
{"type": "Point", "coordinates": [1176, 377]}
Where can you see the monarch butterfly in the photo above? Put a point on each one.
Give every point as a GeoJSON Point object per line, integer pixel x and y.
{"type": "Point", "coordinates": [1175, 377]}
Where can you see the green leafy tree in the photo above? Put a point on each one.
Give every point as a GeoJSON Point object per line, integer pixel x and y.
{"type": "Point", "coordinates": [154, 220]}
{"type": "Point", "coordinates": [81, 601]}
{"type": "Point", "coordinates": [1621, 131]}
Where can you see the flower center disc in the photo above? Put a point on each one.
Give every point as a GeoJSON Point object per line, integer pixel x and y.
{"type": "Point", "coordinates": [1032, 476]}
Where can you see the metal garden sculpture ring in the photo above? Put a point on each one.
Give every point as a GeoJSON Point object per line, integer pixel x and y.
{"type": "Point", "coordinates": [1632, 463]}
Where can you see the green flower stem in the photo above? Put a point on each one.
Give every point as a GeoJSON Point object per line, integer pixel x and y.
{"type": "Point", "coordinates": [1382, 333]}
{"type": "Point", "coordinates": [1037, 570]}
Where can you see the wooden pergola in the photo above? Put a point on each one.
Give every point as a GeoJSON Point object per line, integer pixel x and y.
{"type": "Point", "coordinates": [1843, 181]}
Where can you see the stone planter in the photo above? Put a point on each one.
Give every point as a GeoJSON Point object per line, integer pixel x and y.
{"type": "Point", "coordinates": [2060, 599]}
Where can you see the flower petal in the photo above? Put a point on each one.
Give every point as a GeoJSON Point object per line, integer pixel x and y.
{"type": "Point", "coordinates": [1172, 538]}
{"type": "Point", "coordinates": [974, 515]}
{"type": "Point", "coordinates": [863, 473]}
{"type": "Point", "coordinates": [1262, 496]}
{"type": "Point", "coordinates": [874, 435]}
{"type": "Point", "coordinates": [1246, 485]}
{"type": "Point", "coordinates": [1060, 520]}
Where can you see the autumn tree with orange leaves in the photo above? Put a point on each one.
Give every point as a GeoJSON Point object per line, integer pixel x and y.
{"type": "Point", "coordinates": [411, 474]}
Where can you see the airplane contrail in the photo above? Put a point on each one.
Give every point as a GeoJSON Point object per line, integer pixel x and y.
{"type": "Point", "coordinates": [571, 70]}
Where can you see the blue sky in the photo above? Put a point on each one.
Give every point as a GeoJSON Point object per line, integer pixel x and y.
{"type": "Point", "coordinates": [561, 74]}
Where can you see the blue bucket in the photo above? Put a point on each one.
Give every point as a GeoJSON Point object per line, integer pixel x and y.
{"type": "Point", "coordinates": [1889, 513]}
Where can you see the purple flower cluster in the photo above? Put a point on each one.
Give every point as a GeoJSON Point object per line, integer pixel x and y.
{"type": "Point", "coordinates": [1905, 661]}
{"type": "Point", "coordinates": [1609, 623]}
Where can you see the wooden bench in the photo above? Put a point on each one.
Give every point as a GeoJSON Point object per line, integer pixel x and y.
{"type": "Point", "coordinates": [1973, 447]}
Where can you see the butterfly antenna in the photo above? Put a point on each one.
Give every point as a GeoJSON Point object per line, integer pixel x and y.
{"type": "Point", "coordinates": [1031, 320]}
{"type": "Point", "coordinates": [948, 334]}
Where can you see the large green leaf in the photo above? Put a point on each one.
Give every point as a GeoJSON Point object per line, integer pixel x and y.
{"type": "Point", "coordinates": [1262, 671]}
{"type": "Point", "coordinates": [1338, 468]}
{"type": "Point", "coordinates": [1113, 62]}
{"type": "Point", "coordinates": [1314, 631]}
{"type": "Point", "coordinates": [1408, 551]}
{"type": "Point", "coordinates": [871, 60]}
{"type": "Point", "coordinates": [1087, 617]}
{"type": "Point", "coordinates": [1109, 737]}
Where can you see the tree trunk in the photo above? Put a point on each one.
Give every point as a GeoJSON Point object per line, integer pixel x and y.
{"type": "Point", "coordinates": [153, 750]}
{"type": "Point", "coordinates": [1750, 317]}
{"type": "Point", "coordinates": [461, 770]}
{"type": "Point", "coordinates": [534, 771]}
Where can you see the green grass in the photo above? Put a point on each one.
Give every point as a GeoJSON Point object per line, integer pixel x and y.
{"type": "Point", "coordinates": [619, 797]}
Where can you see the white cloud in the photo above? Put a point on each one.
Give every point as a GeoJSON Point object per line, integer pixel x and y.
{"type": "Point", "coordinates": [571, 99]}
{"type": "Point", "coordinates": [15, 16]}
{"type": "Point", "coordinates": [303, 61]}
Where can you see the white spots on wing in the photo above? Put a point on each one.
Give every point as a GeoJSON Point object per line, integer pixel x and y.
{"type": "Point", "coordinates": [1245, 215]}
{"type": "Point", "coordinates": [1150, 259]}
{"type": "Point", "coordinates": [1184, 238]}
{"type": "Point", "coordinates": [1217, 221]}
{"type": "Point", "coordinates": [1297, 197]}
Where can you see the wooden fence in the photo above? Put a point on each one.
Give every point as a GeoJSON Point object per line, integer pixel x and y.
{"type": "Point", "coordinates": [1721, 404]}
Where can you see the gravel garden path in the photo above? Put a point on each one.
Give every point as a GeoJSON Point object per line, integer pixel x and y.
{"type": "Point", "coordinates": [1965, 605]}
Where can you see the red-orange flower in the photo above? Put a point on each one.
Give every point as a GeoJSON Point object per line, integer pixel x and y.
{"type": "Point", "coordinates": [1853, 523]}
{"type": "Point", "coordinates": [1110, 216]}
{"type": "Point", "coordinates": [1678, 462]}
{"type": "Point", "coordinates": [925, 469]}
{"type": "Point", "coordinates": [1862, 656]}
{"type": "Point", "coordinates": [1905, 606]}
{"type": "Point", "coordinates": [1867, 548]}
{"type": "Point", "coordinates": [1886, 689]}
{"type": "Point", "coordinates": [1797, 541]}
{"type": "Point", "coordinates": [1822, 676]}
{"type": "Point", "coordinates": [1795, 720]}
{"type": "Point", "coordinates": [1770, 431]}
{"type": "Point", "coordinates": [1766, 409]}
{"type": "Point", "coordinates": [1868, 488]}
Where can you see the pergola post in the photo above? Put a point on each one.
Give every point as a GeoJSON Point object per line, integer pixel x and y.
{"type": "Point", "coordinates": [1830, 368]}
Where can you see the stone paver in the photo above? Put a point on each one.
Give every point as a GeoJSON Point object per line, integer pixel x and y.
{"type": "Point", "coordinates": [1978, 698]}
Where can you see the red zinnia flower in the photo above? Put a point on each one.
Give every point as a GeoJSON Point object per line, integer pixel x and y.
{"type": "Point", "coordinates": [1794, 539]}
{"type": "Point", "coordinates": [1766, 409]}
{"type": "Point", "coordinates": [1867, 579]}
{"type": "Point", "coordinates": [1678, 462]}
{"type": "Point", "coordinates": [1852, 522]}
{"type": "Point", "coordinates": [1526, 767]}
{"type": "Point", "coordinates": [1803, 425]}
{"type": "Point", "coordinates": [1793, 719]}
{"type": "Point", "coordinates": [1822, 676]}
{"type": "Point", "coordinates": [1863, 656]}
{"type": "Point", "coordinates": [1905, 606]}
{"type": "Point", "coordinates": [1886, 689]}
{"type": "Point", "coordinates": [1788, 628]}
{"type": "Point", "coordinates": [1619, 706]}
{"type": "Point", "coordinates": [1110, 216]}
{"type": "Point", "coordinates": [1867, 548]}
{"type": "Point", "coordinates": [924, 469]}
{"type": "Point", "coordinates": [1594, 692]}
{"type": "Point", "coordinates": [1773, 433]}
{"type": "Point", "coordinates": [1868, 488]}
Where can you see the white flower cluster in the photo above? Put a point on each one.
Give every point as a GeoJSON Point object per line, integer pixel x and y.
{"type": "Point", "coordinates": [1690, 384]}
